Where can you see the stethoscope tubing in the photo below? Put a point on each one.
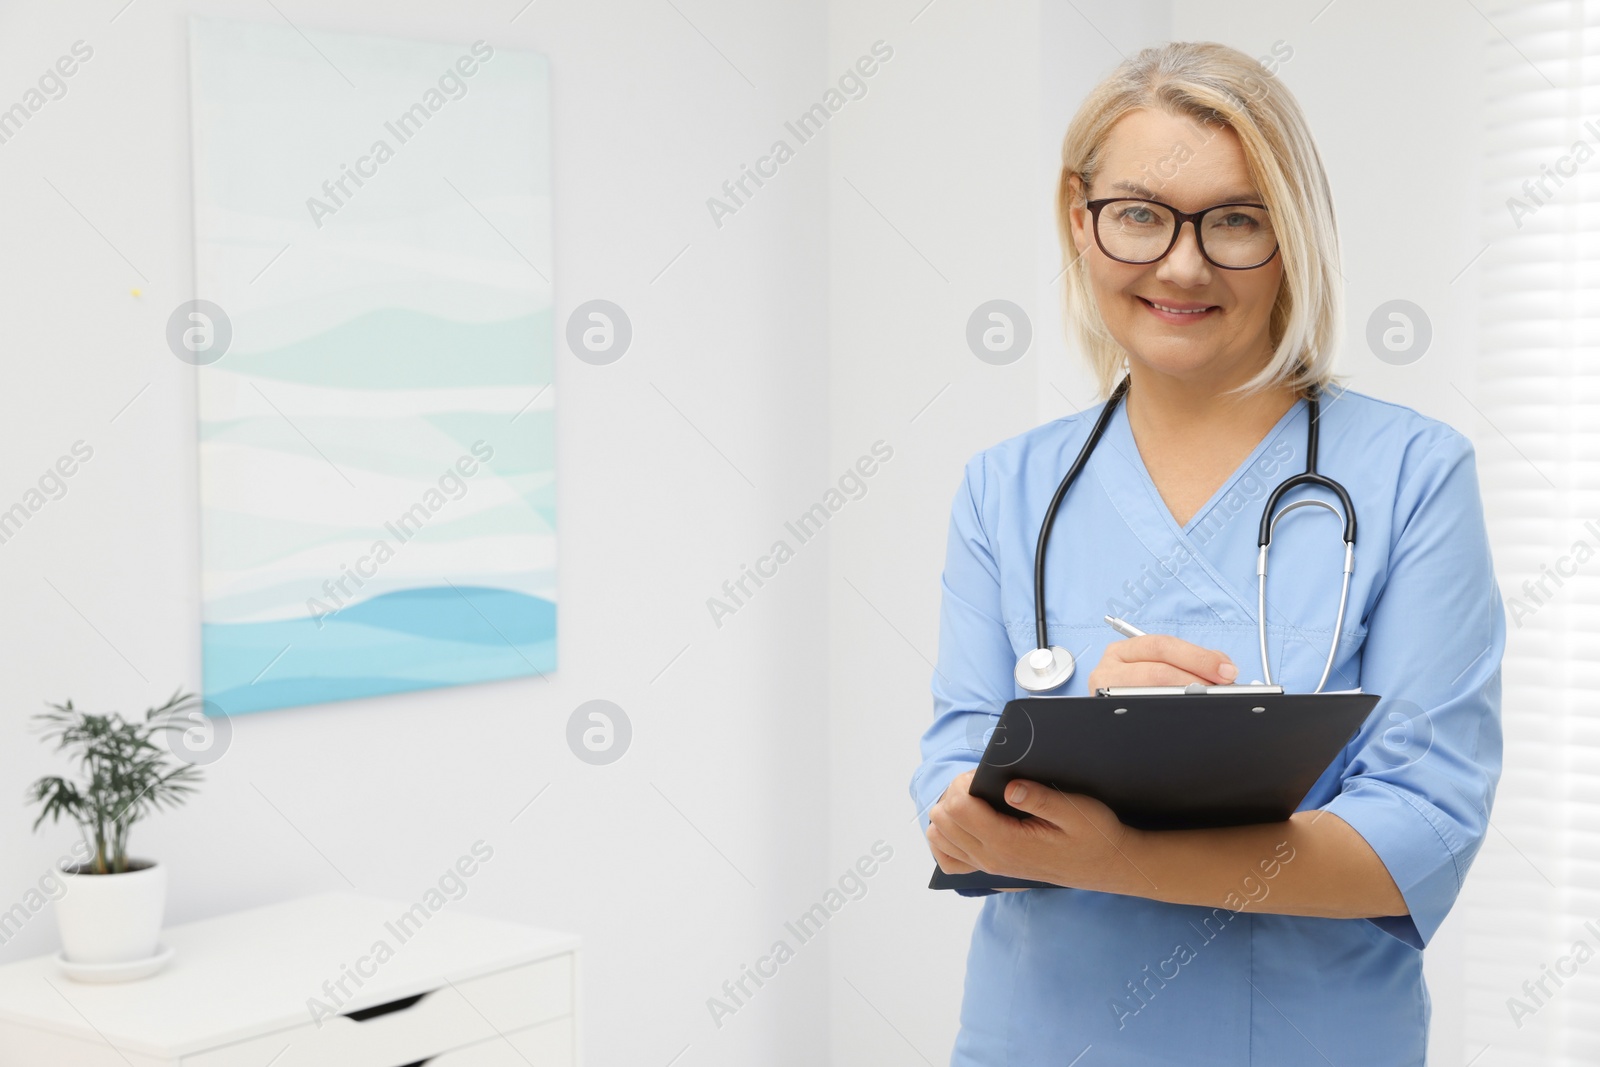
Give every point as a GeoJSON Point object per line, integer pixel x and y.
{"type": "Point", "coordinates": [1261, 591]}
{"type": "Point", "coordinates": [1055, 502]}
{"type": "Point", "coordinates": [1269, 523]}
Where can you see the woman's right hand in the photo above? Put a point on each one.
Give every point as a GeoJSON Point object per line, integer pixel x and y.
{"type": "Point", "coordinates": [1160, 659]}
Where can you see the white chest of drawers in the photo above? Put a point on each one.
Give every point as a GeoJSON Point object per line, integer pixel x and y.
{"type": "Point", "coordinates": [332, 980]}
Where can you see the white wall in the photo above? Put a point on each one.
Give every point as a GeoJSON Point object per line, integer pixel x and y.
{"type": "Point", "coordinates": [649, 121]}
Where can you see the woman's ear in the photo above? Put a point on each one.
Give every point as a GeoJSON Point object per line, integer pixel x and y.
{"type": "Point", "coordinates": [1077, 214]}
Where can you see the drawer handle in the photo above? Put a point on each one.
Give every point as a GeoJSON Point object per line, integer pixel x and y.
{"type": "Point", "coordinates": [384, 1009]}
{"type": "Point", "coordinates": [419, 1063]}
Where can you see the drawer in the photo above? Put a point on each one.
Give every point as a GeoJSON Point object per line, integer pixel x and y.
{"type": "Point", "coordinates": [549, 1045]}
{"type": "Point", "coordinates": [447, 1018]}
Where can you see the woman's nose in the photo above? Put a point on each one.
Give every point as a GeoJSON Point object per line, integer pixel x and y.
{"type": "Point", "coordinates": [1185, 265]}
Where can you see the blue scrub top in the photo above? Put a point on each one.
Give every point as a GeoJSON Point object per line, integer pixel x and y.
{"type": "Point", "coordinates": [1054, 972]}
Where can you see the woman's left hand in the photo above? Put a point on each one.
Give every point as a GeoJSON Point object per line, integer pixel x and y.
{"type": "Point", "coordinates": [1072, 839]}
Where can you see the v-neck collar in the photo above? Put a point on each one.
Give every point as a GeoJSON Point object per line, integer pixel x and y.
{"type": "Point", "coordinates": [1119, 435]}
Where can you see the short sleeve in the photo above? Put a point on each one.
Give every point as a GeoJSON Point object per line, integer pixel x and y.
{"type": "Point", "coordinates": [1423, 769]}
{"type": "Point", "coordinates": [973, 678]}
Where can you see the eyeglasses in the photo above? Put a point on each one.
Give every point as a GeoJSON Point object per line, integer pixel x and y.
{"type": "Point", "coordinates": [1230, 236]}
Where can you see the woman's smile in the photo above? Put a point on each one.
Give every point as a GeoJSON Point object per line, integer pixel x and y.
{"type": "Point", "coordinates": [1180, 312]}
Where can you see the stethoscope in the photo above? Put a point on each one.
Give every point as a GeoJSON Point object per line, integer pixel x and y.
{"type": "Point", "coordinates": [1049, 666]}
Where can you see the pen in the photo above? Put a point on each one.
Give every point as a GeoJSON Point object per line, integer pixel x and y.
{"type": "Point", "coordinates": [1126, 629]}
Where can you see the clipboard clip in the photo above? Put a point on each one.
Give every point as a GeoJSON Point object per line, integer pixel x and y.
{"type": "Point", "coordinates": [1193, 689]}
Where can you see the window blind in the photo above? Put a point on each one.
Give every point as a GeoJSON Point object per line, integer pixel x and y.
{"type": "Point", "coordinates": [1531, 909]}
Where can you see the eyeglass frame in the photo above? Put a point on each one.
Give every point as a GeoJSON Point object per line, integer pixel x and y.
{"type": "Point", "coordinates": [1180, 217]}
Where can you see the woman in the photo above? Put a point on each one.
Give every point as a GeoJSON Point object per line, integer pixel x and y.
{"type": "Point", "coordinates": [1290, 943]}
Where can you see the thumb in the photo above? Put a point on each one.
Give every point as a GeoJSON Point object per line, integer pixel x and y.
{"type": "Point", "coordinates": [1031, 797]}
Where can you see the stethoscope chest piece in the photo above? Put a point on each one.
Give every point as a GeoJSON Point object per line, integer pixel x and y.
{"type": "Point", "coordinates": [1045, 668]}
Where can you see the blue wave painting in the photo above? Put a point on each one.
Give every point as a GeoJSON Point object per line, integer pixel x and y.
{"type": "Point", "coordinates": [411, 639]}
{"type": "Point", "coordinates": [377, 442]}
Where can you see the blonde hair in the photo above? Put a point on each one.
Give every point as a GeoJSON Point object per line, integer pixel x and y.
{"type": "Point", "coordinates": [1220, 87]}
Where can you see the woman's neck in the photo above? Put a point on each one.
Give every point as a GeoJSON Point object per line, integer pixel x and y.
{"type": "Point", "coordinates": [1175, 411]}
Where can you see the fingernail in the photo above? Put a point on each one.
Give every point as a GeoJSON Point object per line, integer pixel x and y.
{"type": "Point", "coordinates": [1017, 793]}
{"type": "Point", "coordinates": [1228, 671]}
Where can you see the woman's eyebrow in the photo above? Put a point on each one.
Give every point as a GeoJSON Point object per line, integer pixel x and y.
{"type": "Point", "coordinates": [1247, 197]}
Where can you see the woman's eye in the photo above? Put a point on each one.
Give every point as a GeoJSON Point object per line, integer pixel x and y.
{"type": "Point", "coordinates": [1238, 221]}
{"type": "Point", "coordinates": [1136, 215]}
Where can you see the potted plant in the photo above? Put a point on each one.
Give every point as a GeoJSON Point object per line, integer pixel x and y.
{"type": "Point", "coordinates": [112, 910]}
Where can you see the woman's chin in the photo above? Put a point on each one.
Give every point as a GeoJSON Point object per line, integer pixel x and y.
{"type": "Point", "coordinates": [1181, 361]}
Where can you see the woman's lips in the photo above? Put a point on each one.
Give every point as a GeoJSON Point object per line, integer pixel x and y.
{"type": "Point", "coordinates": [1181, 318]}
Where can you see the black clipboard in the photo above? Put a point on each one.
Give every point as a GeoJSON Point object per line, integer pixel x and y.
{"type": "Point", "coordinates": [1168, 762]}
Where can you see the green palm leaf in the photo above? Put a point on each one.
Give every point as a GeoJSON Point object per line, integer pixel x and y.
{"type": "Point", "coordinates": [125, 774]}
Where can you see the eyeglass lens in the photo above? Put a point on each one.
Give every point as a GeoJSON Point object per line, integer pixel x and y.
{"type": "Point", "coordinates": [1139, 232]}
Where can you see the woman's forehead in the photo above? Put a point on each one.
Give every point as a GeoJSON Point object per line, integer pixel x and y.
{"type": "Point", "coordinates": [1174, 158]}
{"type": "Point", "coordinates": [1178, 190]}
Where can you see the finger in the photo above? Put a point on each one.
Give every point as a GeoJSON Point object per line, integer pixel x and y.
{"type": "Point", "coordinates": [954, 829]}
{"type": "Point", "coordinates": [961, 784]}
{"type": "Point", "coordinates": [942, 846]}
{"type": "Point", "coordinates": [1155, 673]}
{"type": "Point", "coordinates": [1045, 803]}
{"type": "Point", "coordinates": [1142, 672]}
{"type": "Point", "coordinates": [1165, 648]}
{"type": "Point", "coordinates": [971, 821]}
{"type": "Point", "coordinates": [1207, 663]}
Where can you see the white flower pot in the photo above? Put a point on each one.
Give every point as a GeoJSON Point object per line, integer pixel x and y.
{"type": "Point", "coordinates": [112, 918]}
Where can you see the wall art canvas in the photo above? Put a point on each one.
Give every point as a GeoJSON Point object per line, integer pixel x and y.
{"type": "Point", "coordinates": [372, 341]}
